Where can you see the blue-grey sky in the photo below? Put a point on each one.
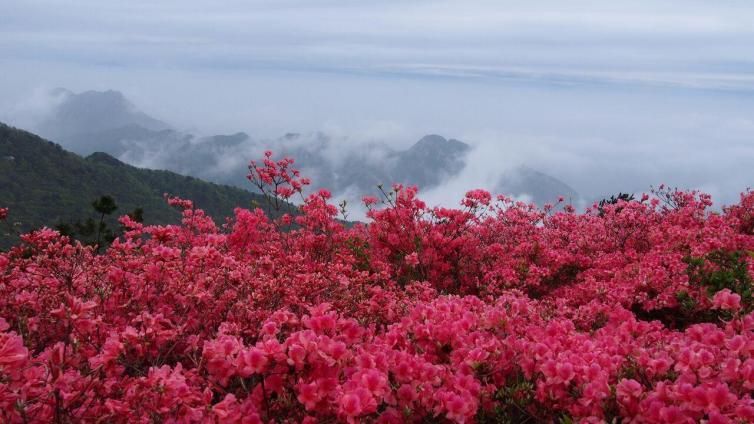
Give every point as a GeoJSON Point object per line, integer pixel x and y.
{"type": "Point", "coordinates": [607, 95]}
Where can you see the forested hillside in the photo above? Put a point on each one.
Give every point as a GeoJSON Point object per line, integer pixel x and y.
{"type": "Point", "coordinates": [43, 184]}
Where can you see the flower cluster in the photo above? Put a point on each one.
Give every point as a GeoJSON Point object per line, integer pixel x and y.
{"type": "Point", "coordinates": [277, 179]}
{"type": "Point", "coordinates": [633, 311]}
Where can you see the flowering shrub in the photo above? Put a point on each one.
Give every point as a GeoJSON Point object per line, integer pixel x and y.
{"type": "Point", "coordinates": [633, 311]}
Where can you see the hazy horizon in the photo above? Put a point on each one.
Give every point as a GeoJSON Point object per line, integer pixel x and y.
{"type": "Point", "coordinates": [607, 97]}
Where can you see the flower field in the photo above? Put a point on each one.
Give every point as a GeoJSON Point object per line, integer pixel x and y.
{"type": "Point", "coordinates": [633, 311]}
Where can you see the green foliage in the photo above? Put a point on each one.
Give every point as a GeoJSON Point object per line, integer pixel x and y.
{"type": "Point", "coordinates": [360, 251]}
{"type": "Point", "coordinates": [97, 232]}
{"type": "Point", "coordinates": [566, 274]}
{"type": "Point", "coordinates": [715, 271]}
{"type": "Point", "coordinates": [137, 215]}
{"type": "Point", "coordinates": [613, 200]}
{"type": "Point", "coordinates": [43, 184]}
{"type": "Point", "coordinates": [105, 205]}
{"type": "Point", "coordinates": [515, 403]}
{"type": "Point", "coordinates": [721, 269]}
{"type": "Point", "coordinates": [687, 302]}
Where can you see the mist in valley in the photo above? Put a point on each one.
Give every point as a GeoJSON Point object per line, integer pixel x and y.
{"type": "Point", "coordinates": [584, 102]}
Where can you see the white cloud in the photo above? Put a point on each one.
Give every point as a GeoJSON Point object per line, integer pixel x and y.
{"type": "Point", "coordinates": [607, 96]}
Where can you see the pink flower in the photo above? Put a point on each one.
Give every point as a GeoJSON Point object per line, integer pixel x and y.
{"type": "Point", "coordinates": [725, 299]}
{"type": "Point", "coordinates": [628, 389]}
{"type": "Point", "coordinates": [251, 361]}
{"type": "Point", "coordinates": [308, 394]}
{"type": "Point", "coordinates": [458, 409]}
{"type": "Point", "coordinates": [285, 192]}
{"type": "Point", "coordinates": [736, 343]}
{"type": "Point", "coordinates": [407, 393]}
{"type": "Point", "coordinates": [369, 200]}
{"type": "Point", "coordinates": [227, 408]}
{"type": "Point", "coordinates": [712, 398]}
{"type": "Point", "coordinates": [13, 353]}
{"type": "Point", "coordinates": [374, 381]}
{"type": "Point", "coordinates": [629, 392]}
{"type": "Point", "coordinates": [672, 415]}
{"type": "Point", "coordinates": [254, 320]}
{"type": "Point", "coordinates": [565, 371]}
{"type": "Point", "coordinates": [296, 356]}
{"type": "Point", "coordinates": [475, 198]}
{"type": "Point", "coordinates": [350, 405]}
{"type": "Point", "coordinates": [270, 328]}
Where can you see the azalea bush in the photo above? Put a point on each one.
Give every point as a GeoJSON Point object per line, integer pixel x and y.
{"type": "Point", "coordinates": [638, 310]}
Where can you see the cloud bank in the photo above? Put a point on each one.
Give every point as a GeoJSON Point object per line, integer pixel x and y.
{"type": "Point", "coordinates": [607, 96]}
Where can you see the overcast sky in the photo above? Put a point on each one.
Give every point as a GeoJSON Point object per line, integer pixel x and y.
{"type": "Point", "coordinates": [606, 95]}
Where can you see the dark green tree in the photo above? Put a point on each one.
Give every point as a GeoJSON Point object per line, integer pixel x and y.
{"type": "Point", "coordinates": [105, 206]}
{"type": "Point", "coordinates": [97, 231]}
{"type": "Point", "coordinates": [613, 200]}
{"type": "Point", "coordinates": [137, 215]}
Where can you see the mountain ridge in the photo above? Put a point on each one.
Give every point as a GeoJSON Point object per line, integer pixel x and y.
{"type": "Point", "coordinates": [43, 184]}
{"type": "Point", "coordinates": [345, 168]}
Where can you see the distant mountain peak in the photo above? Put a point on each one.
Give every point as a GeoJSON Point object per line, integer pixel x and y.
{"type": "Point", "coordinates": [432, 138]}
{"type": "Point", "coordinates": [78, 119]}
{"type": "Point", "coordinates": [536, 186]}
{"type": "Point", "coordinates": [106, 121]}
{"type": "Point", "coordinates": [434, 142]}
{"type": "Point", "coordinates": [112, 94]}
